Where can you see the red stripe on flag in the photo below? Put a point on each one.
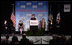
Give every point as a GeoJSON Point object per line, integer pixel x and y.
{"type": "Point", "coordinates": [13, 20]}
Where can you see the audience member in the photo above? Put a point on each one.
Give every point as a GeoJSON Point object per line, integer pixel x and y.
{"type": "Point", "coordinates": [24, 40]}
{"type": "Point", "coordinates": [68, 41]}
{"type": "Point", "coordinates": [54, 40]}
{"type": "Point", "coordinates": [5, 41]}
{"type": "Point", "coordinates": [14, 40]}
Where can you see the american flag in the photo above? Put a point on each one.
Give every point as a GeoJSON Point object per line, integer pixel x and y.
{"type": "Point", "coordinates": [13, 19]}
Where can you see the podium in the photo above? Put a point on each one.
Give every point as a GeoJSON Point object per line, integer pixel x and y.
{"type": "Point", "coordinates": [34, 25]}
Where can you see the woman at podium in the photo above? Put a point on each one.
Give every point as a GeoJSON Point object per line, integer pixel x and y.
{"type": "Point", "coordinates": [33, 28]}
{"type": "Point", "coordinates": [33, 17]}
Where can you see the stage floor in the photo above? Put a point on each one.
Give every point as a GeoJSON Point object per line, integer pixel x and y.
{"type": "Point", "coordinates": [35, 39]}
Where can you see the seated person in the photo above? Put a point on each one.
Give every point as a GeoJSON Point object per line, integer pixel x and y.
{"type": "Point", "coordinates": [20, 26]}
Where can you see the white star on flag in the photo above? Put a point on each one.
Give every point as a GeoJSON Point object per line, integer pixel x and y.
{"type": "Point", "coordinates": [28, 15]}
{"type": "Point", "coordinates": [29, 3]}
{"type": "Point", "coordinates": [22, 6]}
{"type": "Point", "coordinates": [40, 15]}
{"type": "Point", "coordinates": [34, 6]}
{"type": "Point", "coordinates": [40, 3]}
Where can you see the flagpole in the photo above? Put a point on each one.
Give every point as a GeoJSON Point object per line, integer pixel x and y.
{"type": "Point", "coordinates": [13, 8]}
{"type": "Point", "coordinates": [13, 14]}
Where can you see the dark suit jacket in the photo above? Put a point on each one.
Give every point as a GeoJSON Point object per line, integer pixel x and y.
{"type": "Point", "coordinates": [33, 18]}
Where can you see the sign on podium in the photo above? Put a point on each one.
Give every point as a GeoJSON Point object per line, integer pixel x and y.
{"type": "Point", "coordinates": [34, 22]}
